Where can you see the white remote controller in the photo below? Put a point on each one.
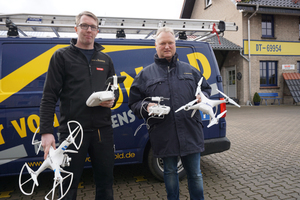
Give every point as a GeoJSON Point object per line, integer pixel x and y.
{"type": "Point", "coordinates": [159, 110]}
{"type": "Point", "coordinates": [97, 97]}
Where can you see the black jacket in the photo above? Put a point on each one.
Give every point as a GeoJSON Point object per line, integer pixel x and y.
{"type": "Point", "coordinates": [72, 79]}
{"type": "Point", "coordinates": [177, 134]}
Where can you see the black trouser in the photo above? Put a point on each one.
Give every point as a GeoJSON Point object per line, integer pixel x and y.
{"type": "Point", "coordinates": [99, 144]}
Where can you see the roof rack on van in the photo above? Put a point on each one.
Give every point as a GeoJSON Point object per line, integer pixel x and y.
{"type": "Point", "coordinates": [117, 26]}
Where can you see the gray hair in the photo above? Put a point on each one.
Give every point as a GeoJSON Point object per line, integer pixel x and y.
{"type": "Point", "coordinates": [164, 29]}
{"type": "Point", "coordinates": [87, 13]}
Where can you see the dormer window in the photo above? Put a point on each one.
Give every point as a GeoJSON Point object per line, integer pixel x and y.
{"type": "Point", "coordinates": [267, 26]}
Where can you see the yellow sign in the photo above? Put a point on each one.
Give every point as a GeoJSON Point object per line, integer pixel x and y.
{"type": "Point", "coordinates": [272, 48]}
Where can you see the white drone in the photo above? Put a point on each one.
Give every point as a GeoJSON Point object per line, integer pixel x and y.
{"type": "Point", "coordinates": [206, 105]}
{"type": "Point", "coordinates": [56, 160]}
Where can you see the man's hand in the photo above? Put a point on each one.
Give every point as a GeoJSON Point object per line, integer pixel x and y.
{"type": "Point", "coordinates": [108, 104]}
{"type": "Point", "coordinates": [48, 140]}
{"type": "Point", "coordinates": [199, 98]}
{"type": "Point", "coordinates": [151, 104]}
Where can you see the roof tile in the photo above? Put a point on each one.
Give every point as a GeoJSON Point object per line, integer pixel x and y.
{"type": "Point", "coordinates": [225, 44]}
{"type": "Point", "coordinates": [293, 82]}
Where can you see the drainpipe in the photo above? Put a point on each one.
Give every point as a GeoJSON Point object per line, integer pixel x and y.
{"type": "Point", "coordinates": [249, 54]}
{"type": "Point", "coordinates": [241, 54]}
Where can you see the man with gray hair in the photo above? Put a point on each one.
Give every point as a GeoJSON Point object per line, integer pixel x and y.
{"type": "Point", "coordinates": [176, 134]}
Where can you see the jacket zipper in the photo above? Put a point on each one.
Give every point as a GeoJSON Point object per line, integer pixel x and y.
{"type": "Point", "coordinates": [99, 135]}
{"type": "Point", "coordinates": [90, 68]}
{"type": "Point", "coordinates": [169, 83]}
{"type": "Point", "coordinates": [171, 103]}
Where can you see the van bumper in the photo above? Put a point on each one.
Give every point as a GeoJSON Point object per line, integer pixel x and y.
{"type": "Point", "coordinates": [215, 145]}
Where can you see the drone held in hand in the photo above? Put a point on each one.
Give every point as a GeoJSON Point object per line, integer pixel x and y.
{"type": "Point", "coordinates": [206, 105]}
{"type": "Point", "coordinates": [56, 160]}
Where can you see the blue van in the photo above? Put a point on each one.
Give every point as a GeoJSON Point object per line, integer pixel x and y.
{"type": "Point", "coordinates": [23, 67]}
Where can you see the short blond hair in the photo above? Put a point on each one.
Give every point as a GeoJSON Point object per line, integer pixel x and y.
{"type": "Point", "coordinates": [164, 29]}
{"type": "Point", "coordinates": [87, 13]}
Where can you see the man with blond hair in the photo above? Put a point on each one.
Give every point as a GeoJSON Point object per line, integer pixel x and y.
{"type": "Point", "coordinates": [177, 134]}
{"type": "Point", "coordinates": [74, 73]}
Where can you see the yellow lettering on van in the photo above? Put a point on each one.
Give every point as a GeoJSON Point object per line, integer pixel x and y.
{"type": "Point", "coordinates": [193, 57]}
{"type": "Point", "coordinates": [31, 125]}
{"type": "Point", "coordinates": [1, 137]}
{"type": "Point", "coordinates": [35, 164]}
{"type": "Point", "coordinates": [129, 80]}
{"type": "Point", "coordinates": [5, 194]}
{"type": "Point", "coordinates": [18, 79]}
{"type": "Point", "coordinates": [55, 123]}
{"type": "Point", "coordinates": [20, 129]}
{"type": "Point", "coordinates": [88, 159]}
{"type": "Point", "coordinates": [137, 70]}
{"type": "Point", "coordinates": [120, 99]}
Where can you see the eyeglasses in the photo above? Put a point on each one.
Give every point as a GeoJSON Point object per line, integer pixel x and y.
{"type": "Point", "coordinates": [86, 27]}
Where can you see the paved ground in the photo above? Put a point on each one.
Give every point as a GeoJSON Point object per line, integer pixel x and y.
{"type": "Point", "coordinates": [262, 163]}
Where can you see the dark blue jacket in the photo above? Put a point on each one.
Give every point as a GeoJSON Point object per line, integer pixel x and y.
{"type": "Point", "coordinates": [177, 134]}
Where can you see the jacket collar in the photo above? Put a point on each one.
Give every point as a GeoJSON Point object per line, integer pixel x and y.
{"type": "Point", "coordinates": [163, 61]}
{"type": "Point", "coordinates": [97, 46]}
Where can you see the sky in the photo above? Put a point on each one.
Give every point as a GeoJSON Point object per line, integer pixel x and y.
{"type": "Point", "coordinates": [167, 9]}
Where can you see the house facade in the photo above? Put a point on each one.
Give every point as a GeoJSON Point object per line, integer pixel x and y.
{"type": "Point", "coordinates": [272, 28]}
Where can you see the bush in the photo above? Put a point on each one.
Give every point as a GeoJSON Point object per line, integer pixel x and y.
{"type": "Point", "coordinates": [256, 98]}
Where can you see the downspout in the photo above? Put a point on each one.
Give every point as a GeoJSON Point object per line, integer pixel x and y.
{"type": "Point", "coordinates": [241, 54]}
{"type": "Point", "coordinates": [249, 54]}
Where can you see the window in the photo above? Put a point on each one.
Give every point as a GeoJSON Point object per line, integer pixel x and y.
{"type": "Point", "coordinates": [231, 77]}
{"type": "Point", "coordinates": [299, 28]}
{"type": "Point", "coordinates": [267, 26]}
{"type": "Point", "coordinates": [268, 73]}
{"type": "Point", "coordinates": [298, 66]}
{"type": "Point", "coordinates": [208, 3]}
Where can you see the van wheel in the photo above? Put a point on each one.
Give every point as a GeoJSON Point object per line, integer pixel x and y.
{"type": "Point", "coordinates": [156, 167]}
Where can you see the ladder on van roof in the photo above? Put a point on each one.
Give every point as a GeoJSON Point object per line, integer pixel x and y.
{"type": "Point", "coordinates": [26, 24]}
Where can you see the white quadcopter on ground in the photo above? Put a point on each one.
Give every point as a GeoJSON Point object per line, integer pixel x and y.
{"type": "Point", "coordinates": [206, 105]}
{"type": "Point", "coordinates": [97, 97]}
{"type": "Point", "coordinates": [56, 160]}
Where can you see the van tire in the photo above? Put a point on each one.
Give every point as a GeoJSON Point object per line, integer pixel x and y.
{"type": "Point", "coordinates": [156, 167]}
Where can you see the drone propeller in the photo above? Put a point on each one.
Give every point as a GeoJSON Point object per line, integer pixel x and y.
{"type": "Point", "coordinates": [198, 90]}
{"type": "Point", "coordinates": [33, 178]}
{"type": "Point", "coordinates": [221, 114]}
{"type": "Point", "coordinates": [227, 99]}
{"type": "Point", "coordinates": [215, 120]}
{"type": "Point", "coordinates": [74, 133]}
{"type": "Point", "coordinates": [39, 143]}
